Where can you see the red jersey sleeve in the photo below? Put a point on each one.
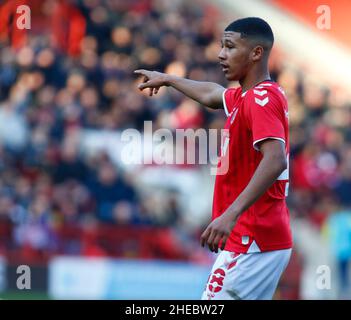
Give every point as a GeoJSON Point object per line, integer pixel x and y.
{"type": "Point", "coordinates": [267, 115]}
{"type": "Point", "coordinates": [229, 98]}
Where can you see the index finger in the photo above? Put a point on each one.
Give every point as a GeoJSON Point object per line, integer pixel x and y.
{"type": "Point", "coordinates": [204, 236]}
{"type": "Point", "coordinates": [223, 242]}
{"type": "Point", "coordinates": [141, 71]}
{"type": "Point", "coordinates": [216, 242]}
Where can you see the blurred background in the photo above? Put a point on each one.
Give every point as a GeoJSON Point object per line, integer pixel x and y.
{"type": "Point", "coordinates": [91, 226]}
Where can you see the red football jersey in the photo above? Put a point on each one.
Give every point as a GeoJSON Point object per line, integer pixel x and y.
{"type": "Point", "coordinates": [255, 115]}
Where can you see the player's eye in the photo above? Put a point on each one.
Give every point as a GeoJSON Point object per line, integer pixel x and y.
{"type": "Point", "coordinates": [228, 45]}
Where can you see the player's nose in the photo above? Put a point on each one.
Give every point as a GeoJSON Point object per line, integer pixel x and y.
{"type": "Point", "coordinates": [221, 54]}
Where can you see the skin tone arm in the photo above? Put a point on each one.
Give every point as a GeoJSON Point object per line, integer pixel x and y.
{"type": "Point", "coordinates": [271, 166]}
{"type": "Point", "coordinates": [206, 93]}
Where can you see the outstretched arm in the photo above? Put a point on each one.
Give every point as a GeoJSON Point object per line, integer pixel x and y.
{"type": "Point", "coordinates": [206, 93]}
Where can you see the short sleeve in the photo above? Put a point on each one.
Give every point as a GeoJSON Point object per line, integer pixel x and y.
{"type": "Point", "coordinates": [266, 116]}
{"type": "Point", "coordinates": [229, 97]}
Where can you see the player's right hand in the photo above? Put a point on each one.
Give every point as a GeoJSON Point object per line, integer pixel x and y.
{"type": "Point", "coordinates": [152, 79]}
{"type": "Point", "coordinates": [217, 233]}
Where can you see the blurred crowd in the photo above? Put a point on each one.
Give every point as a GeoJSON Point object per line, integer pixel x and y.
{"type": "Point", "coordinates": [53, 91]}
{"type": "Point", "coordinates": [72, 74]}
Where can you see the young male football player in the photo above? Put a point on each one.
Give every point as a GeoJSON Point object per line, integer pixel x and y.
{"type": "Point", "coordinates": [250, 219]}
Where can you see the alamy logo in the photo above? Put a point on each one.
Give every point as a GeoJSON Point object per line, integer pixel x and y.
{"type": "Point", "coordinates": [184, 146]}
{"type": "Point", "coordinates": [24, 19]}
{"type": "Point", "coordinates": [323, 281]}
{"type": "Point", "coordinates": [324, 20]}
{"type": "Point", "coordinates": [24, 280]}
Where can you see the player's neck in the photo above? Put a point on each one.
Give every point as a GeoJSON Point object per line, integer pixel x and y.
{"type": "Point", "coordinates": [253, 78]}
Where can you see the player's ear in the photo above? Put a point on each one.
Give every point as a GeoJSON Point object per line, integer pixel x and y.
{"type": "Point", "coordinates": [257, 53]}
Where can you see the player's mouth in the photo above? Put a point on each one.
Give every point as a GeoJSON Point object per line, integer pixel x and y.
{"type": "Point", "coordinates": [225, 67]}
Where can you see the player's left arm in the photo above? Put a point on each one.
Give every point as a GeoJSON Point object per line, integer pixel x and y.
{"type": "Point", "coordinates": [273, 163]}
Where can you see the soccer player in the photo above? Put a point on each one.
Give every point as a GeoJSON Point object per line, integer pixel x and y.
{"type": "Point", "coordinates": [250, 218]}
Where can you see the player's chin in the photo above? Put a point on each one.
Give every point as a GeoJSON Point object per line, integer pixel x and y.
{"type": "Point", "coordinates": [229, 76]}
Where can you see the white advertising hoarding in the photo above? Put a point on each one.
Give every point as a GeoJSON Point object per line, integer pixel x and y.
{"type": "Point", "coordinates": [3, 277]}
{"type": "Point", "coordinates": [84, 278]}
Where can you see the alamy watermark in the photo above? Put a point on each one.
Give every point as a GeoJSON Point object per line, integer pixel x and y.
{"type": "Point", "coordinates": [180, 146]}
{"type": "Point", "coordinates": [23, 21]}
{"type": "Point", "coordinates": [323, 281]}
{"type": "Point", "coordinates": [323, 22]}
{"type": "Point", "coordinates": [24, 278]}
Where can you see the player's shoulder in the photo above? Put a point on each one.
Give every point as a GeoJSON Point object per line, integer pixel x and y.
{"type": "Point", "coordinates": [232, 94]}
{"type": "Point", "coordinates": [265, 92]}
{"type": "Point", "coordinates": [233, 91]}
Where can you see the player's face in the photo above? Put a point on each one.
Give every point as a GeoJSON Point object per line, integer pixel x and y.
{"type": "Point", "coordinates": [234, 56]}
